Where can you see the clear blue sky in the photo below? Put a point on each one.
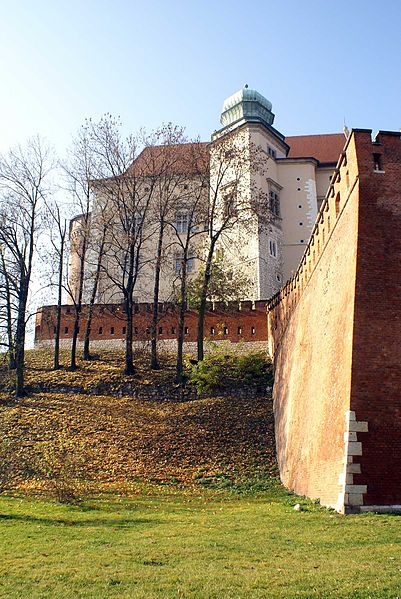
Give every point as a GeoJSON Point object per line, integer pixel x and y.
{"type": "Point", "coordinates": [157, 61]}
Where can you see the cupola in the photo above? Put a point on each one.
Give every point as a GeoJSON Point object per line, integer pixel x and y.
{"type": "Point", "coordinates": [249, 105]}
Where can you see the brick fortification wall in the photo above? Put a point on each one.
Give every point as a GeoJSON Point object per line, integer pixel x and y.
{"type": "Point", "coordinates": [335, 331]}
{"type": "Point", "coordinates": [244, 322]}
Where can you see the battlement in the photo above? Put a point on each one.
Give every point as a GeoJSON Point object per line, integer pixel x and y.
{"type": "Point", "coordinates": [334, 333]}
{"type": "Point", "coordinates": [361, 158]}
{"type": "Point", "coordinates": [244, 321]}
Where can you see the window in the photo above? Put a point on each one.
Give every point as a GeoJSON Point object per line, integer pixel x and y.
{"type": "Point", "coordinates": [186, 331]}
{"type": "Point", "coordinates": [225, 330]}
{"type": "Point", "coordinates": [212, 330]}
{"type": "Point", "coordinates": [173, 330]}
{"type": "Point", "coordinates": [182, 221]}
{"type": "Point", "coordinates": [160, 330]}
{"type": "Point", "coordinates": [136, 330]}
{"type": "Point", "coordinates": [377, 161]}
{"type": "Point", "coordinates": [100, 330]}
{"type": "Point", "coordinates": [111, 330]}
{"type": "Point", "coordinates": [239, 330]}
{"type": "Point", "coordinates": [65, 330]}
{"type": "Point", "coordinates": [230, 202]}
{"type": "Point", "coordinates": [274, 202]}
{"type": "Point", "coordinates": [252, 330]}
{"type": "Point", "coordinates": [272, 152]}
{"type": "Point", "coordinates": [178, 263]}
{"type": "Point", "coordinates": [124, 330]}
{"type": "Point", "coordinates": [272, 248]}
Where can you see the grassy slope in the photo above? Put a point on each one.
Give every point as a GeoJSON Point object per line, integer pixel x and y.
{"type": "Point", "coordinates": [185, 540]}
{"type": "Point", "coordinates": [187, 546]}
{"type": "Point", "coordinates": [224, 439]}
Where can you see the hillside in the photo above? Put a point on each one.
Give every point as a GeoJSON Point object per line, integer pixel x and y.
{"type": "Point", "coordinates": [121, 439]}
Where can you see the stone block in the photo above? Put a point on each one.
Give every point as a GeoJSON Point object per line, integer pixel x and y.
{"type": "Point", "coordinates": [354, 468]}
{"type": "Point", "coordinates": [354, 448]}
{"type": "Point", "coordinates": [350, 436]}
{"type": "Point", "coordinates": [358, 427]}
{"type": "Point", "coordinates": [350, 415]}
{"type": "Point", "coordinates": [356, 488]}
{"type": "Point", "coordinates": [355, 499]}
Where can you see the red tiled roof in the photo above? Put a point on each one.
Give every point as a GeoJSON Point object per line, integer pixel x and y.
{"type": "Point", "coordinates": [325, 148]}
{"type": "Point", "coordinates": [187, 158]}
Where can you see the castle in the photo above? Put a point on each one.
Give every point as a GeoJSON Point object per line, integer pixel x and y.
{"type": "Point", "coordinates": [294, 176]}
{"type": "Point", "coordinates": [334, 328]}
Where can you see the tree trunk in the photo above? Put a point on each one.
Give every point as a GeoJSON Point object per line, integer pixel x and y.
{"type": "Point", "coordinates": [10, 339]}
{"type": "Point", "coordinates": [181, 322]}
{"type": "Point", "coordinates": [86, 352]}
{"type": "Point", "coordinates": [129, 358]}
{"type": "Point", "coordinates": [56, 364]}
{"type": "Point", "coordinates": [154, 363]}
{"type": "Point", "coordinates": [20, 341]}
{"type": "Point", "coordinates": [202, 303]}
{"type": "Point", "coordinates": [78, 306]}
{"type": "Point", "coordinates": [73, 363]}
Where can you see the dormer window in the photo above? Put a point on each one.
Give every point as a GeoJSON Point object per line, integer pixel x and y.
{"type": "Point", "coordinates": [272, 152]}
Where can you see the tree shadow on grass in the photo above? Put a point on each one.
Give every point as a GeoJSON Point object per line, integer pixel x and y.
{"type": "Point", "coordinates": [116, 522]}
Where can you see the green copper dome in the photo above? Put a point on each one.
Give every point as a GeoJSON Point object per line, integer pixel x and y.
{"type": "Point", "coordinates": [247, 104]}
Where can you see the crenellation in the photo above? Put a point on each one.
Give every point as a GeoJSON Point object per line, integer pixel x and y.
{"type": "Point", "coordinates": [334, 335]}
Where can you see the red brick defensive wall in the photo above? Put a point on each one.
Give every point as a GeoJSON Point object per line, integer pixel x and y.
{"type": "Point", "coordinates": [233, 322]}
{"type": "Point", "coordinates": [335, 335]}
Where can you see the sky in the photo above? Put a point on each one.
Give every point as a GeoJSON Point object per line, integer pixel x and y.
{"type": "Point", "coordinates": [153, 62]}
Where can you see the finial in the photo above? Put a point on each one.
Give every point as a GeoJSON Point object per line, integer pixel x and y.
{"type": "Point", "coordinates": [346, 130]}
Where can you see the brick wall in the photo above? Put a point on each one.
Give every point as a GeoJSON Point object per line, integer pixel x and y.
{"type": "Point", "coordinates": [244, 322]}
{"type": "Point", "coordinates": [334, 331]}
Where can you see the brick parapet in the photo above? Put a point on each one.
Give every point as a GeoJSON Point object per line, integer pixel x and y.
{"type": "Point", "coordinates": [234, 322]}
{"type": "Point", "coordinates": [334, 332]}
{"type": "Point", "coordinates": [344, 182]}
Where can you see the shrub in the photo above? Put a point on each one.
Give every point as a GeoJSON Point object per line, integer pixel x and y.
{"type": "Point", "coordinates": [9, 463]}
{"type": "Point", "coordinates": [61, 463]}
{"type": "Point", "coordinates": [223, 369]}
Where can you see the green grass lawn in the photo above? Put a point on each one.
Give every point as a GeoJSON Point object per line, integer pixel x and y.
{"type": "Point", "coordinates": [213, 544]}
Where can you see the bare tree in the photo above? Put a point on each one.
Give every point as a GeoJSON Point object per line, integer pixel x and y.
{"type": "Point", "coordinates": [24, 174]}
{"type": "Point", "coordinates": [166, 152]}
{"type": "Point", "coordinates": [56, 219]}
{"type": "Point", "coordinates": [7, 308]}
{"type": "Point", "coordinates": [96, 256]}
{"type": "Point", "coordinates": [127, 187]}
{"type": "Point", "coordinates": [189, 226]}
{"type": "Point", "coordinates": [81, 169]}
{"type": "Point", "coordinates": [235, 203]}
